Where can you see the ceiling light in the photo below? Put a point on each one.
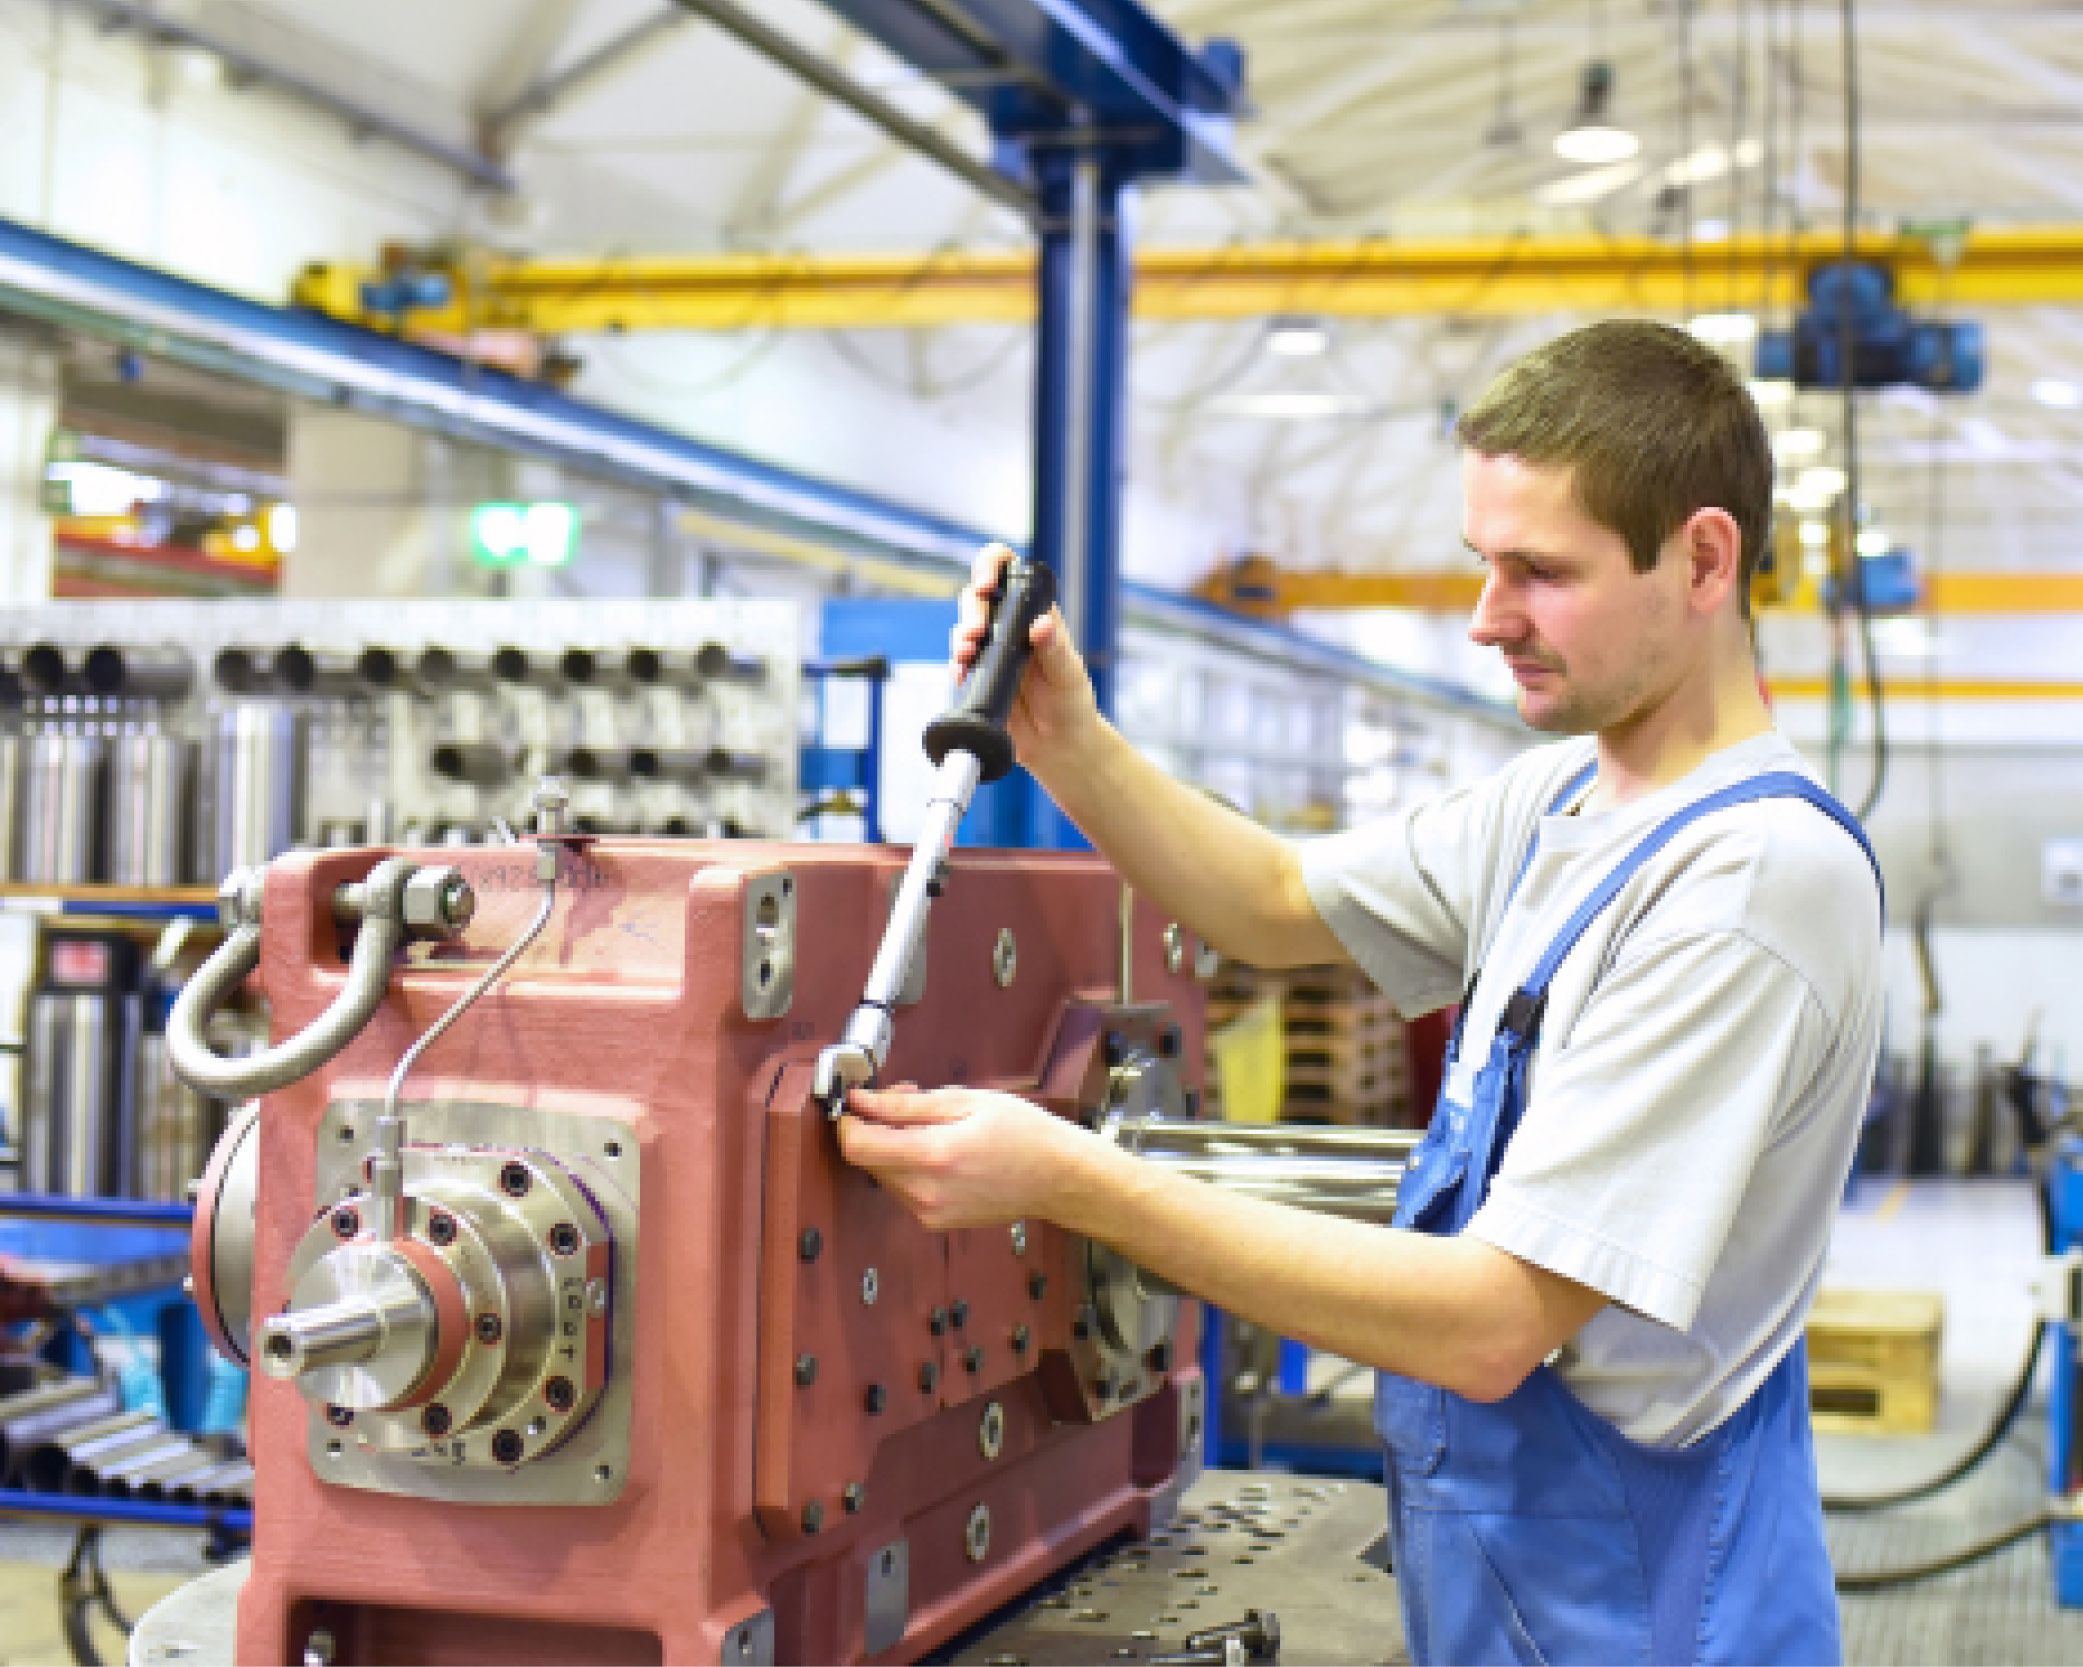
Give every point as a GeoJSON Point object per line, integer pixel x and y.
{"type": "Point", "coordinates": [1791, 444]}
{"type": "Point", "coordinates": [1588, 186]}
{"type": "Point", "coordinates": [1874, 541]}
{"type": "Point", "coordinates": [1296, 338]}
{"type": "Point", "coordinates": [1807, 501]}
{"type": "Point", "coordinates": [1815, 535]}
{"type": "Point", "coordinates": [2056, 394]}
{"type": "Point", "coordinates": [1591, 136]}
{"type": "Point", "coordinates": [1725, 329]}
{"type": "Point", "coordinates": [1823, 480]}
{"type": "Point", "coordinates": [1770, 395]}
{"type": "Point", "coordinates": [1291, 405]}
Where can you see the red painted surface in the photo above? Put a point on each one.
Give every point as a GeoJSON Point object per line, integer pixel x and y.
{"type": "Point", "coordinates": [628, 1006]}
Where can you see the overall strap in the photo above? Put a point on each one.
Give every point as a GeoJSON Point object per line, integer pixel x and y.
{"type": "Point", "coordinates": [1570, 790]}
{"type": "Point", "coordinates": [1522, 1012]}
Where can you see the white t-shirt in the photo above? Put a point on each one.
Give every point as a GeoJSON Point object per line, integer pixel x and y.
{"type": "Point", "coordinates": [1703, 1062]}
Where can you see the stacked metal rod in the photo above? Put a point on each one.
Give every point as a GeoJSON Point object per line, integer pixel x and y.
{"type": "Point", "coordinates": [1338, 1171]}
{"type": "Point", "coordinates": [71, 1436]}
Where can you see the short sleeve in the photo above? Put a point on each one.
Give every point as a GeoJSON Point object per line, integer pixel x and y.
{"type": "Point", "coordinates": [1398, 894]}
{"type": "Point", "coordinates": [1645, 1125]}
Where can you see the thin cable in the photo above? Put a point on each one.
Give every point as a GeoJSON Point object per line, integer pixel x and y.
{"type": "Point", "coordinates": [1877, 1580]}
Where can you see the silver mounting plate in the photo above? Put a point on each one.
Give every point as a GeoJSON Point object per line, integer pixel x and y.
{"type": "Point", "coordinates": [767, 980]}
{"type": "Point", "coordinates": [592, 1466]}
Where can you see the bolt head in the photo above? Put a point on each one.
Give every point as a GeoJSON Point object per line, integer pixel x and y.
{"type": "Point", "coordinates": [339, 1417]}
{"type": "Point", "coordinates": [813, 1517]}
{"type": "Point", "coordinates": [936, 1322]}
{"type": "Point", "coordinates": [441, 1227]}
{"type": "Point", "coordinates": [507, 1447]}
{"type": "Point", "coordinates": [490, 1328]}
{"type": "Point", "coordinates": [514, 1180]}
{"type": "Point", "coordinates": [810, 1245]}
{"type": "Point", "coordinates": [564, 1239]}
{"type": "Point", "coordinates": [1021, 1338]}
{"type": "Point", "coordinates": [929, 1378]}
{"type": "Point", "coordinates": [347, 1221]}
{"type": "Point", "coordinates": [1037, 1285]}
{"type": "Point", "coordinates": [875, 1399]}
{"type": "Point", "coordinates": [435, 1419]}
{"type": "Point", "coordinates": [973, 1359]}
{"type": "Point", "coordinates": [958, 1316]}
{"type": "Point", "coordinates": [559, 1395]}
{"type": "Point", "coordinates": [854, 1497]}
{"type": "Point", "coordinates": [806, 1369]}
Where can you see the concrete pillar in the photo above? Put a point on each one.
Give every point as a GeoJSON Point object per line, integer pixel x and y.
{"type": "Point", "coordinates": [28, 412]}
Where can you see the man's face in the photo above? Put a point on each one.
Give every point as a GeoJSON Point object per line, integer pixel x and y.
{"type": "Point", "coordinates": [1591, 643]}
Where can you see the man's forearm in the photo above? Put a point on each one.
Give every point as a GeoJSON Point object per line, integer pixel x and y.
{"type": "Point", "coordinates": [1452, 1311]}
{"type": "Point", "coordinates": [1234, 882]}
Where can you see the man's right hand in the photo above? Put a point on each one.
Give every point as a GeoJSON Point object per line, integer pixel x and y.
{"type": "Point", "coordinates": [1055, 709]}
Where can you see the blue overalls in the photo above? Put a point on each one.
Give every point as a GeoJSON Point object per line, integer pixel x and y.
{"type": "Point", "coordinates": [1532, 1530]}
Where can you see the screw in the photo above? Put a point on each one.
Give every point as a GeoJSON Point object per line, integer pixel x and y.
{"type": "Point", "coordinates": [559, 1395]}
{"type": "Point", "coordinates": [507, 1447]}
{"type": "Point", "coordinates": [1170, 1041]}
{"type": "Point", "coordinates": [936, 1322]}
{"type": "Point", "coordinates": [490, 1328]}
{"type": "Point", "coordinates": [347, 1221]}
{"type": "Point", "coordinates": [435, 1419]}
{"type": "Point", "coordinates": [810, 1245]}
{"type": "Point", "coordinates": [853, 1496]}
{"type": "Point", "coordinates": [1019, 1238]}
{"type": "Point", "coordinates": [441, 1227]}
{"type": "Point", "coordinates": [564, 1238]}
{"type": "Point", "coordinates": [876, 1399]}
{"type": "Point", "coordinates": [1161, 1356]}
{"type": "Point", "coordinates": [1258, 1632]}
{"type": "Point", "coordinates": [813, 1517]}
{"type": "Point", "coordinates": [973, 1359]}
{"type": "Point", "coordinates": [1037, 1285]}
{"type": "Point", "coordinates": [339, 1417]}
{"type": "Point", "coordinates": [958, 1315]}
{"type": "Point", "coordinates": [514, 1180]}
{"type": "Point", "coordinates": [806, 1369]}
{"type": "Point", "coordinates": [871, 1287]}
{"type": "Point", "coordinates": [1021, 1338]}
{"type": "Point", "coordinates": [929, 1378]}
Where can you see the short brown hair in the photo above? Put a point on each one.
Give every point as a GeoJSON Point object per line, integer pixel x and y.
{"type": "Point", "coordinates": [1653, 424]}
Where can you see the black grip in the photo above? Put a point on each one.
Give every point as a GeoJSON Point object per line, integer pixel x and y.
{"type": "Point", "coordinates": [976, 722]}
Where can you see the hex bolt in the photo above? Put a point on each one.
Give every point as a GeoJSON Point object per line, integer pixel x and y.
{"type": "Point", "coordinates": [435, 1419]}
{"type": "Point", "coordinates": [958, 1316]}
{"type": "Point", "coordinates": [806, 1369]}
{"type": "Point", "coordinates": [1021, 1338]}
{"type": "Point", "coordinates": [507, 1447]}
{"type": "Point", "coordinates": [564, 1239]}
{"type": "Point", "coordinates": [559, 1395]}
{"type": "Point", "coordinates": [490, 1328]}
{"type": "Point", "coordinates": [813, 1517]}
{"type": "Point", "coordinates": [810, 1245]}
{"type": "Point", "coordinates": [875, 1399]}
{"type": "Point", "coordinates": [929, 1378]}
{"type": "Point", "coordinates": [514, 1180]}
{"type": "Point", "coordinates": [1258, 1632]}
{"type": "Point", "coordinates": [853, 1496]}
{"type": "Point", "coordinates": [1037, 1285]}
{"type": "Point", "coordinates": [1019, 1238]}
{"type": "Point", "coordinates": [973, 1359]}
{"type": "Point", "coordinates": [441, 1227]}
{"type": "Point", "coordinates": [347, 1221]}
{"type": "Point", "coordinates": [936, 1322]}
{"type": "Point", "coordinates": [338, 1416]}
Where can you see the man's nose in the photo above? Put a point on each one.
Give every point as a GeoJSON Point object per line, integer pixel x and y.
{"type": "Point", "coordinates": [1496, 621]}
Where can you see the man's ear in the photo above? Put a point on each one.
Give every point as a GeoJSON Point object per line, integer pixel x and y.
{"type": "Point", "coordinates": [1713, 551]}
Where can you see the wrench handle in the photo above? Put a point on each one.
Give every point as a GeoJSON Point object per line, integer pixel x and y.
{"type": "Point", "coordinates": [976, 722]}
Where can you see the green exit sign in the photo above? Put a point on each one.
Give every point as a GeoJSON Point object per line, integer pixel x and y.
{"type": "Point", "coordinates": [511, 535]}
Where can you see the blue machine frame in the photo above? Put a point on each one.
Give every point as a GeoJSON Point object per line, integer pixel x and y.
{"type": "Point", "coordinates": [2065, 1398]}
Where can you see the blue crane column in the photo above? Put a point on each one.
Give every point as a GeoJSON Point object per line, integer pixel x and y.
{"type": "Point", "coordinates": [1081, 417]}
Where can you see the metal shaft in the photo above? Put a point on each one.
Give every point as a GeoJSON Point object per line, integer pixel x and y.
{"type": "Point", "coordinates": [342, 1333]}
{"type": "Point", "coordinates": [1347, 1172]}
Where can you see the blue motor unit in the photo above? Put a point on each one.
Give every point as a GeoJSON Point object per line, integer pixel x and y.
{"type": "Point", "coordinates": [1889, 349]}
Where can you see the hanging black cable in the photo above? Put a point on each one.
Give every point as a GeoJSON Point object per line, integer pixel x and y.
{"type": "Point", "coordinates": [1848, 513]}
{"type": "Point", "coordinates": [1876, 1580]}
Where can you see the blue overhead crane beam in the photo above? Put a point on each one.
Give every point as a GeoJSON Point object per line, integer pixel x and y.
{"type": "Point", "coordinates": [1040, 69]}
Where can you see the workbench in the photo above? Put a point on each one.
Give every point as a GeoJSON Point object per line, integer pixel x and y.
{"type": "Point", "coordinates": [1307, 1551]}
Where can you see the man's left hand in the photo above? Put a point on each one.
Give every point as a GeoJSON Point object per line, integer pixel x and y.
{"type": "Point", "coordinates": [959, 1157]}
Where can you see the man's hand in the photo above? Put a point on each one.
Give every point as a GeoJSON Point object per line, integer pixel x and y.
{"type": "Point", "coordinates": [960, 1157]}
{"type": "Point", "coordinates": [1055, 708]}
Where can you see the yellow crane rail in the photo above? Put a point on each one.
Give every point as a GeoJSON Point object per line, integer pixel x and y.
{"type": "Point", "coordinates": [1373, 278]}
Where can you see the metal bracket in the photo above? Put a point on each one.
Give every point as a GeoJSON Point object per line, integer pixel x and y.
{"type": "Point", "coordinates": [2059, 1287]}
{"type": "Point", "coordinates": [888, 1607]}
{"type": "Point", "coordinates": [751, 1642]}
{"type": "Point", "coordinates": [767, 981]}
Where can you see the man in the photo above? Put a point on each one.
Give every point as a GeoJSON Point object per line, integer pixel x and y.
{"type": "Point", "coordinates": [1666, 940]}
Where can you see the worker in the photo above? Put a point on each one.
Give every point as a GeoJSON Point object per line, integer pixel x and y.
{"type": "Point", "coordinates": [1664, 937]}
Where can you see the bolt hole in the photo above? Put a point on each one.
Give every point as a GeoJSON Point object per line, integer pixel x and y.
{"type": "Point", "coordinates": [333, 1449]}
{"type": "Point", "coordinates": [889, 1562]}
{"type": "Point", "coordinates": [281, 1348]}
{"type": "Point", "coordinates": [601, 1473]}
{"type": "Point", "coordinates": [346, 1133]}
{"type": "Point", "coordinates": [613, 1148]}
{"type": "Point", "coordinates": [766, 974]}
{"type": "Point", "coordinates": [766, 915]}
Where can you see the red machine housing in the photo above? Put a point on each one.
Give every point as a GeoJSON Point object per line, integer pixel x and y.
{"type": "Point", "coordinates": [756, 1487]}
